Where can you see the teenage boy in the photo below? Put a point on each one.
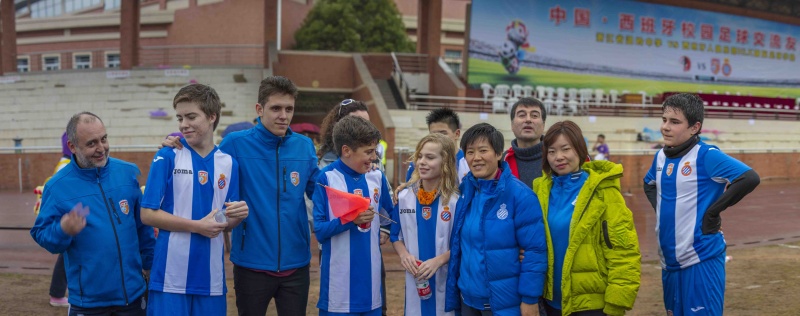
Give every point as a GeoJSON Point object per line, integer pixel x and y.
{"type": "Point", "coordinates": [185, 191]}
{"type": "Point", "coordinates": [271, 249]}
{"type": "Point", "coordinates": [446, 122]}
{"type": "Point", "coordinates": [686, 185]}
{"type": "Point", "coordinates": [350, 282]}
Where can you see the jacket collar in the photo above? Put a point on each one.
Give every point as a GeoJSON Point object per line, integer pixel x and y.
{"type": "Point", "coordinates": [346, 170]}
{"type": "Point", "coordinates": [90, 174]}
{"type": "Point", "coordinates": [268, 137]}
{"type": "Point", "coordinates": [602, 174]}
{"type": "Point", "coordinates": [476, 184]}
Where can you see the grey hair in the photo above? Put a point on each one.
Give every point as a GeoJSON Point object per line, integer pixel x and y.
{"type": "Point", "coordinates": [72, 126]}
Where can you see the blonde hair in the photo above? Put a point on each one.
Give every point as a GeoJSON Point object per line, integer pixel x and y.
{"type": "Point", "coordinates": [448, 184]}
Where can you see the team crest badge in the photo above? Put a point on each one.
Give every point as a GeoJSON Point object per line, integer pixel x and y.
{"type": "Point", "coordinates": [295, 178]}
{"type": "Point", "coordinates": [426, 212]}
{"type": "Point", "coordinates": [375, 195]}
{"type": "Point", "coordinates": [123, 205]}
{"type": "Point", "coordinates": [358, 192]}
{"type": "Point", "coordinates": [669, 169]}
{"type": "Point", "coordinates": [445, 215]}
{"type": "Point", "coordinates": [221, 182]}
{"type": "Point", "coordinates": [686, 170]}
{"type": "Point", "coordinates": [502, 213]}
{"type": "Point", "coordinates": [202, 177]}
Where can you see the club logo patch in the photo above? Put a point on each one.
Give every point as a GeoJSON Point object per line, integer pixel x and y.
{"type": "Point", "coordinates": [202, 177]}
{"type": "Point", "coordinates": [221, 182]}
{"type": "Point", "coordinates": [375, 195]}
{"type": "Point", "coordinates": [502, 213]}
{"type": "Point", "coordinates": [358, 192]}
{"type": "Point", "coordinates": [295, 178]}
{"type": "Point", "coordinates": [123, 206]}
{"type": "Point", "coordinates": [445, 215]}
{"type": "Point", "coordinates": [669, 169]}
{"type": "Point", "coordinates": [426, 212]}
{"type": "Point", "coordinates": [686, 170]}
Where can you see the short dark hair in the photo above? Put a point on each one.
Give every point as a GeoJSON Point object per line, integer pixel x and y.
{"type": "Point", "coordinates": [444, 115]}
{"type": "Point", "coordinates": [72, 125]}
{"type": "Point", "coordinates": [354, 132]}
{"type": "Point", "coordinates": [335, 115]}
{"type": "Point", "coordinates": [205, 97]}
{"type": "Point", "coordinates": [691, 105]}
{"type": "Point", "coordinates": [572, 132]}
{"type": "Point", "coordinates": [483, 131]}
{"type": "Point", "coordinates": [529, 102]}
{"type": "Point", "coordinates": [601, 136]}
{"type": "Point", "coordinates": [273, 85]}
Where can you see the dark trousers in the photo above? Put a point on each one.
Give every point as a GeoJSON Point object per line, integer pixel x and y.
{"type": "Point", "coordinates": [58, 283]}
{"type": "Point", "coordinates": [254, 291]}
{"type": "Point", "coordinates": [550, 311]}
{"type": "Point", "coordinates": [137, 307]}
{"type": "Point", "coordinates": [467, 310]}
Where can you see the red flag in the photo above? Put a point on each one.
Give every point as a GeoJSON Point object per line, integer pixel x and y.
{"type": "Point", "coordinates": [346, 206]}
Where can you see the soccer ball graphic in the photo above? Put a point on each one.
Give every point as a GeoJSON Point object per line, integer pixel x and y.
{"type": "Point", "coordinates": [508, 57]}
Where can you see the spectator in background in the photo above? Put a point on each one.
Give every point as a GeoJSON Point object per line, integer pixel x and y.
{"type": "Point", "coordinates": [58, 283]}
{"type": "Point", "coordinates": [446, 122]}
{"type": "Point", "coordinates": [524, 158]}
{"type": "Point", "coordinates": [601, 148]}
{"type": "Point", "coordinates": [689, 184]}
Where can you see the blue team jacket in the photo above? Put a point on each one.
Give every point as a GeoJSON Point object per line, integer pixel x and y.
{"type": "Point", "coordinates": [104, 262]}
{"type": "Point", "coordinates": [274, 173]}
{"type": "Point", "coordinates": [511, 220]}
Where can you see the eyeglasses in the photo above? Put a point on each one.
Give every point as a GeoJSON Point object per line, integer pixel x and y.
{"type": "Point", "coordinates": [341, 105]}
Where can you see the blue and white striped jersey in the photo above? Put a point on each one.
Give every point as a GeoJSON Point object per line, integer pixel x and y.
{"type": "Point", "coordinates": [350, 272]}
{"type": "Point", "coordinates": [189, 186]}
{"type": "Point", "coordinates": [687, 186]}
{"type": "Point", "coordinates": [425, 231]}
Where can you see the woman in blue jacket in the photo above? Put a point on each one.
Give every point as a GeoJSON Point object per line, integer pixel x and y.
{"type": "Point", "coordinates": [496, 217]}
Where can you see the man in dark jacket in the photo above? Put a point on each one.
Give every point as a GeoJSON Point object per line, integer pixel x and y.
{"type": "Point", "coordinates": [524, 158]}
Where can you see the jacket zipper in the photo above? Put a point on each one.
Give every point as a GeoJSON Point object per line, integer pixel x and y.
{"type": "Point", "coordinates": [116, 237]}
{"type": "Point", "coordinates": [606, 238]}
{"type": "Point", "coordinates": [244, 233]}
{"type": "Point", "coordinates": [80, 280]}
{"type": "Point", "coordinates": [116, 214]}
{"type": "Point", "coordinates": [278, 195]}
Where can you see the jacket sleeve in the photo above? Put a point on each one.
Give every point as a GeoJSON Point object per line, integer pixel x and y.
{"type": "Point", "coordinates": [324, 228]}
{"type": "Point", "coordinates": [47, 230]}
{"type": "Point", "coordinates": [530, 236]}
{"type": "Point", "coordinates": [620, 246]}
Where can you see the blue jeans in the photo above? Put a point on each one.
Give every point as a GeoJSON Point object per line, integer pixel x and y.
{"type": "Point", "coordinates": [136, 308]}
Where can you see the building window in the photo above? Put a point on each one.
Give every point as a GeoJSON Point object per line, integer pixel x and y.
{"type": "Point", "coordinates": [51, 63]}
{"type": "Point", "coordinates": [112, 60]}
{"type": "Point", "coordinates": [83, 61]}
{"type": "Point", "coordinates": [46, 8]}
{"type": "Point", "coordinates": [112, 4]}
{"type": "Point", "coordinates": [455, 67]}
{"type": "Point", "coordinates": [452, 54]}
{"type": "Point", "coordinates": [23, 64]}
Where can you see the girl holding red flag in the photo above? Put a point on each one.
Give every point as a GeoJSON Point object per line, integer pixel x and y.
{"type": "Point", "coordinates": [424, 214]}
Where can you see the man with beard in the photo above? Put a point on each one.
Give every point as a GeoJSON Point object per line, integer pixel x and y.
{"type": "Point", "coordinates": [90, 212]}
{"type": "Point", "coordinates": [524, 158]}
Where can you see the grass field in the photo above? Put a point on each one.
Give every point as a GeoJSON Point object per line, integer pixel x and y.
{"type": "Point", "coordinates": [760, 281]}
{"type": "Point", "coordinates": [486, 71]}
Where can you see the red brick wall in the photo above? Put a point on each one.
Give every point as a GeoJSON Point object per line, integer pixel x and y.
{"type": "Point", "coordinates": [38, 166]}
{"type": "Point", "coordinates": [334, 71]}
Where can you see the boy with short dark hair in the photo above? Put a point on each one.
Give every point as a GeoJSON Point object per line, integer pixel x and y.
{"type": "Point", "coordinates": [686, 186]}
{"type": "Point", "coordinates": [350, 282]}
{"type": "Point", "coordinates": [185, 190]}
{"type": "Point", "coordinates": [446, 122]}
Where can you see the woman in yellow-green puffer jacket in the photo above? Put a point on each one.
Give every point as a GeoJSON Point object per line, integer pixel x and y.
{"type": "Point", "coordinates": [593, 250]}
